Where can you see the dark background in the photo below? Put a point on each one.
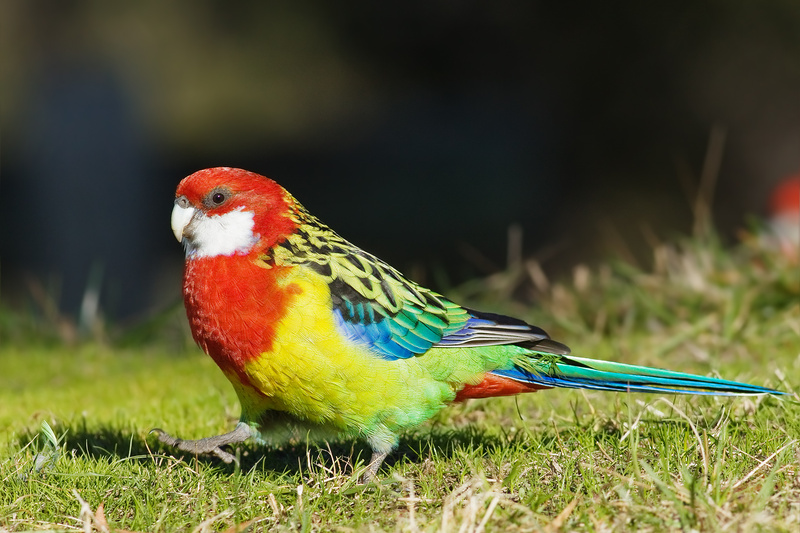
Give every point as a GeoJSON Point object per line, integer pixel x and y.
{"type": "Point", "coordinates": [419, 130]}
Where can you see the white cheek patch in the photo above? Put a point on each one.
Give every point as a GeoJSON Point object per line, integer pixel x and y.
{"type": "Point", "coordinates": [228, 234]}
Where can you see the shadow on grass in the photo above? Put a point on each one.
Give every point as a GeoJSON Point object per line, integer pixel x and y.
{"type": "Point", "coordinates": [113, 443]}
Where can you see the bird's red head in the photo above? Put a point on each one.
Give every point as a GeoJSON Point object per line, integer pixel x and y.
{"type": "Point", "coordinates": [227, 211]}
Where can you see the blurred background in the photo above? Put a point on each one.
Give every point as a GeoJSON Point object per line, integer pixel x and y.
{"type": "Point", "coordinates": [421, 131]}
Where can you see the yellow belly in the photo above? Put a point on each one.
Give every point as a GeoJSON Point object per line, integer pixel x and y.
{"type": "Point", "coordinates": [323, 380]}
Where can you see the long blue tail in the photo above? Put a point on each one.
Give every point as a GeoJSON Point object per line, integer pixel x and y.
{"type": "Point", "coordinates": [581, 373]}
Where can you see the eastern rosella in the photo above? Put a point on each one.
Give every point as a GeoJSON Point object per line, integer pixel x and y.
{"type": "Point", "coordinates": [320, 338]}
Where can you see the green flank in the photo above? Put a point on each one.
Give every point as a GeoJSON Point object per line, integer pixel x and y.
{"type": "Point", "coordinates": [75, 453]}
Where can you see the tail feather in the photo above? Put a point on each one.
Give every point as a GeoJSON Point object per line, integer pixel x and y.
{"type": "Point", "coordinates": [581, 373]}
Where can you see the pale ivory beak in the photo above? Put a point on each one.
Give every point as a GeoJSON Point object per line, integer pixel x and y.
{"type": "Point", "coordinates": [181, 217]}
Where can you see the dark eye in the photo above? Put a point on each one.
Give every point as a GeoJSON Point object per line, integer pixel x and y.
{"type": "Point", "coordinates": [217, 197]}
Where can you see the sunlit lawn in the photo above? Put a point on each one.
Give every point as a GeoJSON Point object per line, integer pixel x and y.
{"type": "Point", "coordinates": [570, 460]}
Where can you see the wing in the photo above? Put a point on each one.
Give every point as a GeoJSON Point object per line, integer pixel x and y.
{"type": "Point", "coordinates": [374, 304]}
{"type": "Point", "coordinates": [399, 319]}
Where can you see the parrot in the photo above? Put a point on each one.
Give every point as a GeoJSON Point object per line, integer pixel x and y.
{"type": "Point", "coordinates": [321, 339]}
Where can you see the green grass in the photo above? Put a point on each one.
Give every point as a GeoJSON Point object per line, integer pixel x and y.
{"type": "Point", "coordinates": [569, 460]}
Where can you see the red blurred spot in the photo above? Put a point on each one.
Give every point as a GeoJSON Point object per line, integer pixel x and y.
{"type": "Point", "coordinates": [786, 197]}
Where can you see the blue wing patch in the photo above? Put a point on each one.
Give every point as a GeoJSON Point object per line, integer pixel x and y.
{"type": "Point", "coordinates": [392, 337]}
{"type": "Point", "coordinates": [413, 331]}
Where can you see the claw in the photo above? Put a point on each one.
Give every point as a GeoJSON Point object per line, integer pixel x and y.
{"type": "Point", "coordinates": [208, 445]}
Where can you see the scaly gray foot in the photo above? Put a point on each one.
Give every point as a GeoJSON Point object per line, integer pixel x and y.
{"type": "Point", "coordinates": [371, 473]}
{"type": "Point", "coordinates": [208, 445]}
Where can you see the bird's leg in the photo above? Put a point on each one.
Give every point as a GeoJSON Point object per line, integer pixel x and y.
{"type": "Point", "coordinates": [371, 473]}
{"type": "Point", "coordinates": [208, 444]}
